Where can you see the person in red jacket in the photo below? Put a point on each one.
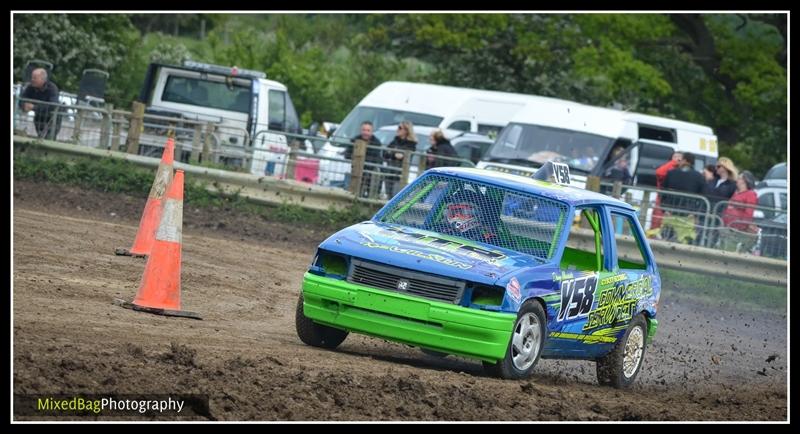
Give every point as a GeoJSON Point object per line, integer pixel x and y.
{"type": "Point", "coordinates": [740, 218]}
{"type": "Point", "coordinates": [661, 176]}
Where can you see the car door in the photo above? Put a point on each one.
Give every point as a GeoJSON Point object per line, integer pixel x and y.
{"type": "Point", "coordinates": [631, 287]}
{"type": "Point", "coordinates": [584, 264]}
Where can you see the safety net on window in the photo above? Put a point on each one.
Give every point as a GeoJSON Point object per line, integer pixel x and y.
{"type": "Point", "coordinates": [481, 212]}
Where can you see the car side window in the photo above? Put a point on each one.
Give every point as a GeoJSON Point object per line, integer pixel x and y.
{"type": "Point", "coordinates": [460, 126]}
{"type": "Point", "coordinates": [584, 249]}
{"type": "Point", "coordinates": [277, 110]}
{"type": "Point", "coordinates": [630, 255]}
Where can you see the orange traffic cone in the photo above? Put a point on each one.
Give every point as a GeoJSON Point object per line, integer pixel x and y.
{"type": "Point", "coordinates": [160, 290]}
{"type": "Point", "coordinates": [143, 242]}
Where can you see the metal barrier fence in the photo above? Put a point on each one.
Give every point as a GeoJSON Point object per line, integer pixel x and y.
{"type": "Point", "coordinates": [370, 173]}
{"type": "Point", "coordinates": [692, 219]}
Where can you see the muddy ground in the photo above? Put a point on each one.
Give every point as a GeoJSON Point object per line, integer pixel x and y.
{"type": "Point", "coordinates": [242, 274]}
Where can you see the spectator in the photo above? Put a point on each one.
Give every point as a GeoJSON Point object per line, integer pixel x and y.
{"type": "Point", "coordinates": [741, 233]}
{"type": "Point", "coordinates": [405, 140]}
{"type": "Point", "coordinates": [661, 176]}
{"type": "Point", "coordinates": [673, 163]}
{"type": "Point", "coordinates": [710, 174]}
{"type": "Point", "coordinates": [618, 171]}
{"type": "Point", "coordinates": [440, 146]}
{"type": "Point", "coordinates": [677, 218]}
{"type": "Point", "coordinates": [42, 89]}
{"type": "Point", "coordinates": [373, 157]}
{"type": "Point", "coordinates": [726, 183]}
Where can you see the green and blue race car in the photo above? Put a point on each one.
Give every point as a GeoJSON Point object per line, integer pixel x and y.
{"type": "Point", "coordinates": [497, 267]}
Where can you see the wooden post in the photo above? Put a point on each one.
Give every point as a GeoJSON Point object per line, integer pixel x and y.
{"type": "Point", "coordinates": [628, 198]}
{"type": "Point", "coordinates": [135, 128]}
{"type": "Point", "coordinates": [195, 156]}
{"type": "Point", "coordinates": [291, 162]}
{"type": "Point", "coordinates": [115, 134]}
{"type": "Point", "coordinates": [423, 163]}
{"type": "Point", "coordinates": [616, 191]}
{"type": "Point", "coordinates": [404, 174]}
{"type": "Point", "coordinates": [643, 209]}
{"type": "Point", "coordinates": [593, 183]}
{"type": "Point", "coordinates": [357, 167]}
{"type": "Point", "coordinates": [207, 143]}
{"type": "Point", "coordinates": [105, 129]}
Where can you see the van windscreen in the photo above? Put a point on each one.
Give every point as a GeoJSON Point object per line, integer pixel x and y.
{"type": "Point", "coordinates": [534, 145]}
{"type": "Point", "coordinates": [205, 93]}
{"type": "Point", "coordinates": [351, 125]}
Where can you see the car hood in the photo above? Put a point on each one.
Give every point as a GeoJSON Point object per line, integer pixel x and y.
{"type": "Point", "coordinates": [428, 252]}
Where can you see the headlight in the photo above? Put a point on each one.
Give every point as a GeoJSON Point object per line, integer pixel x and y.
{"type": "Point", "coordinates": [329, 265]}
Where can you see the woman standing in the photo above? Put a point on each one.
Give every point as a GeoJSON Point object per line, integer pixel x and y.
{"type": "Point", "coordinates": [741, 233]}
{"type": "Point", "coordinates": [440, 146]}
{"type": "Point", "coordinates": [405, 140]}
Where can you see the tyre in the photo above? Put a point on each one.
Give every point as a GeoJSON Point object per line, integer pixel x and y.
{"type": "Point", "coordinates": [433, 353]}
{"type": "Point", "coordinates": [525, 346]}
{"type": "Point", "coordinates": [620, 367]}
{"type": "Point", "coordinates": [316, 335]}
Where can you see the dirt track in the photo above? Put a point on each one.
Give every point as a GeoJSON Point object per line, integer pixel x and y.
{"type": "Point", "coordinates": [243, 276]}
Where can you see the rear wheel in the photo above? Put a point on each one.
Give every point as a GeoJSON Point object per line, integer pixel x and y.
{"type": "Point", "coordinates": [527, 341]}
{"type": "Point", "coordinates": [316, 335]}
{"type": "Point", "coordinates": [620, 367]}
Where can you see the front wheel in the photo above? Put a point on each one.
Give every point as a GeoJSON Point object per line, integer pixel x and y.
{"type": "Point", "coordinates": [316, 335]}
{"type": "Point", "coordinates": [620, 367]}
{"type": "Point", "coordinates": [527, 341]}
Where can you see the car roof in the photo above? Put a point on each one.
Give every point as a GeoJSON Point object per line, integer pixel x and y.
{"type": "Point", "coordinates": [571, 195]}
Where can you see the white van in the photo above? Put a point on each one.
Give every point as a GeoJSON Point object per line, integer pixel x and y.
{"type": "Point", "coordinates": [243, 102]}
{"type": "Point", "coordinates": [429, 105]}
{"type": "Point", "coordinates": [583, 137]}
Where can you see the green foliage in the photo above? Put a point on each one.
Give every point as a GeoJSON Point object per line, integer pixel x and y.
{"type": "Point", "coordinates": [645, 62]}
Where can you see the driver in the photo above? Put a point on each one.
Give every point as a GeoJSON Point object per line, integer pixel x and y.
{"type": "Point", "coordinates": [469, 214]}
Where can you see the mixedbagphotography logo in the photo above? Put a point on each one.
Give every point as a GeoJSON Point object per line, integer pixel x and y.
{"type": "Point", "coordinates": [148, 406]}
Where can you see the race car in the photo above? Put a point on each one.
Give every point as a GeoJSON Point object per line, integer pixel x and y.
{"type": "Point", "coordinates": [502, 268]}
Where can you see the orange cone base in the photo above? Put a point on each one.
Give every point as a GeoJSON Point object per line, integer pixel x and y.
{"type": "Point", "coordinates": [121, 251]}
{"type": "Point", "coordinates": [156, 311]}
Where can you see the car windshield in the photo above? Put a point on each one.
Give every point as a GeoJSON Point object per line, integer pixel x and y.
{"type": "Point", "coordinates": [481, 213]}
{"type": "Point", "coordinates": [351, 125]}
{"type": "Point", "coordinates": [533, 145]}
{"type": "Point", "coordinates": [235, 96]}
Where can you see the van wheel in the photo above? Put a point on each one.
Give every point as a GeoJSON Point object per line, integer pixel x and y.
{"type": "Point", "coordinates": [620, 367]}
{"type": "Point", "coordinates": [316, 335]}
{"type": "Point", "coordinates": [527, 341]}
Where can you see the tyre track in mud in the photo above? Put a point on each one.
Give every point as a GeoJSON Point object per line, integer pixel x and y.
{"type": "Point", "coordinates": [243, 274]}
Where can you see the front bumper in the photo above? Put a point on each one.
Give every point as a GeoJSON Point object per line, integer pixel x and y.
{"type": "Point", "coordinates": [411, 320]}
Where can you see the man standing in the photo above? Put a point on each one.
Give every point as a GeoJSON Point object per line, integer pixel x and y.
{"type": "Point", "coordinates": [678, 213]}
{"type": "Point", "coordinates": [41, 89]}
{"type": "Point", "coordinates": [661, 176]}
{"type": "Point", "coordinates": [373, 159]}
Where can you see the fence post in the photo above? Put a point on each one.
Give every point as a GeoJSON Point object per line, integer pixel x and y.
{"type": "Point", "coordinates": [357, 168]}
{"type": "Point", "coordinates": [291, 161]}
{"type": "Point", "coordinates": [643, 208]}
{"type": "Point", "coordinates": [207, 142]}
{"type": "Point", "coordinates": [76, 130]}
{"type": "Point", "coordinates": [105, 129]}
{"type": "Point", "coordinates": [593, 183]}
{"type": "Point", "coordinates": [115, 134]}
{"type": "Point", "coordinates": [406, 170]}
{"type": "Point", "coordinates": [616, 191]}
{"type": "Point", "coordinates": [423, 162]}
{"type": "Point", "coordinates": [135, 128]}
{"type": "Point", "coordinates": [194, 158]}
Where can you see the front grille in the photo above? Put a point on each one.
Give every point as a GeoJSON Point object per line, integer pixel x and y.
{"type": "Point", "coordinates": [405, 281]}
